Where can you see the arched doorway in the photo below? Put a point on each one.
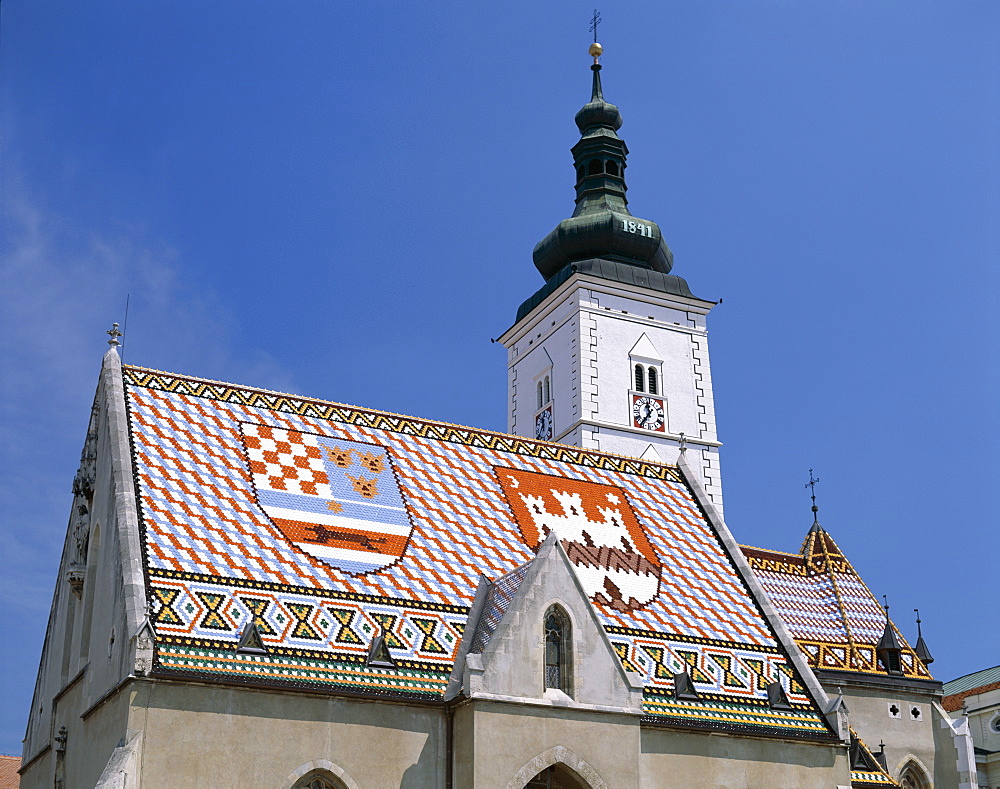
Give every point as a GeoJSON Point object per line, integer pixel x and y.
{"type": "Point", "coordinates": [556, 777]}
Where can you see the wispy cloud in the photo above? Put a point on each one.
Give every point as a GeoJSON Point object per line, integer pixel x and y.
{"type": "Point", "coordinates": [62, 286]}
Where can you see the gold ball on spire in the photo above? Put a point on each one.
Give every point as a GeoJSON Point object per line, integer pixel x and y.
{"type": "Point", "coordinates": [596, 50]}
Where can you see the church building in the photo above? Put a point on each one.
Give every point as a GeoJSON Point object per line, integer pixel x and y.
{"type": "Point", "coordinates": [260, 589]}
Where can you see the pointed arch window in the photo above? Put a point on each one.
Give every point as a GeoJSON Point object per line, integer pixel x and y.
{"type": "Point", "coordinates": [319, 780]}
{"type": "Point", "coordinates": [558, 644]}
{"type": "Point", "coordinates": [912, 777]}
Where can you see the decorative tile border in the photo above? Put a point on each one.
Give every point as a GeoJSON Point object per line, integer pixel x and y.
{"type": "Point", "coordinates": [317, 624]}
{"type": "Point", "coordinates": [726, 670]}
{"type": "Point", "coordinates": [501, 442]}
{"type": "Point", "coordinates": [717, 714]}
{"type": "Point", "coordinates": [276, 670]}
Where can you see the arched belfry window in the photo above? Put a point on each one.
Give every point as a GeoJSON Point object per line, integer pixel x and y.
{"type": "Point", "coordinates": [546, 391]}
{"type": "Point", "coordinates": [596, 167]}
{"type": "Point", "coordinates": [541, 402]}
{"type": "Point", "coordinates": [612, 168]}
{"type": "Point", "coordinates": [558, 646]}
{"type": "Point", "coordinates": [654, 387]}
{"type": "Point", "coordinates": [640, 378]}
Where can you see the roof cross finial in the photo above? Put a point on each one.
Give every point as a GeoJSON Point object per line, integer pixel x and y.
{"type": "Point", "coordinates": [595, 20]}
{"type": "Point", "coordinates": [682, 441]}
{"type": "Point", "coordinates": [115, 334]}
{"type": "Point", "coordinates": [885, 599]}
{"type": "Point", "coordinates": [812, 485]}
{"type": "Point", "coordinates": [917, 612]}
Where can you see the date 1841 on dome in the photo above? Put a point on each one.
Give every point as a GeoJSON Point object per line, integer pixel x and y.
{"type": "Point", "coordinates": [631, 226]}
{"type": "Point", "coordinates": [647, 413]}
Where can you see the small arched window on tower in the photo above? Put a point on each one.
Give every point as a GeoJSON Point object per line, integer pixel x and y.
{"type": "Point", "coordinates": [541, 402]}
{"type": "Point", "coordinates": [546, 391]}
{"type": "Point", "coordinates": [596, 167]}
{"type": "Point", "coordinates": [612, 168]}
{"type": "Point", "coordinates": [640, 378]}
{"type": "Point", "coordinates": [654, 387]}
{"type": "Point", "coordinates": [558, 643]}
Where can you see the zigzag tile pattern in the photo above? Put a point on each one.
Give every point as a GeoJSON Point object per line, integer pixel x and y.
{"type": "Point", "coordinates": [216, 560]}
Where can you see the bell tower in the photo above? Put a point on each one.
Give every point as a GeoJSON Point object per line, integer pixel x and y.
{"type": "Point", "coordinates": [611, 353]}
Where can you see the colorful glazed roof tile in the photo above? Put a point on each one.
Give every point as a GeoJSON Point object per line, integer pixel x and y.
{"type": "Point", "coordinates": [831, 613]}
{"type": "Point", "coordinates": [326, 525]}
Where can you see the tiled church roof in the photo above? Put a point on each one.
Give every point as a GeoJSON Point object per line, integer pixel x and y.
{"type": "Point", "coordinates": [9, 765]}
{"type": "Point", "coordinates": [833, 616]}
{"type": "Point", "coordinates": [325, 525]}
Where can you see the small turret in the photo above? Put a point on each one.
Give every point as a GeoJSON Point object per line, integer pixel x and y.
{"type": "Point", "coordinates": [889, 650]}
{"type": "Point", "coordinates": [921, 649]}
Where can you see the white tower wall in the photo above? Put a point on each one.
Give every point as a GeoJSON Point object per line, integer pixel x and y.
{"type": "Point", "coordinates": [587, 335]}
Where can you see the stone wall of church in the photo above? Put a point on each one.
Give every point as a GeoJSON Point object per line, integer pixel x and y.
{"type": "Point", "coordinates": [98, 603]}
{"type": "Point", "coordinates": [92, 732]}
{"type": "Point", "coordinates": [902, 718]}
{"type": "Point", "coordinates": [702, 761]}
{"type": "Point", "coordinates": [202, 735]}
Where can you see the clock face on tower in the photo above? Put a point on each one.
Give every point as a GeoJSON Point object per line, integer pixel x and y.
{"type": "Point", "coordinates": [647, 413]}
{"type": "Point", "coordinates": [543, 424]}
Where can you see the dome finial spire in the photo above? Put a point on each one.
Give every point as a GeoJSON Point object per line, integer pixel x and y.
{"type": "Point", "coordinates": [811, 484]}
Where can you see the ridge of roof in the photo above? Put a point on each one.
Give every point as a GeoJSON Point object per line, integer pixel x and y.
{"type": "Point", "coordinates": [131, 368]}
{"type": "Point", "coordinates": [745, 548]}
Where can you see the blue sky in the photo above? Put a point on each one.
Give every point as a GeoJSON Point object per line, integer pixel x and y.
{"type": "Point", "coordinates": [341, 201]}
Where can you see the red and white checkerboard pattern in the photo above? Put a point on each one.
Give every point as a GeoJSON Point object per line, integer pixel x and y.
{"type": "Point", "coordinates": [286, 460]}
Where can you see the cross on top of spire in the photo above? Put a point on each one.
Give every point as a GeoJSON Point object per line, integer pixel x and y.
{"type": "Point", "coordinates": [811, 484]}
{"type": "Point", "coordinates": [114, 334]}
{"type": "Point", "coordinates": [595, 20]}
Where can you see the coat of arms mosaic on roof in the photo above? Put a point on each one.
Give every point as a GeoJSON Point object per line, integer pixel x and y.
{"type": "Point", "coordinates": [325, 525]}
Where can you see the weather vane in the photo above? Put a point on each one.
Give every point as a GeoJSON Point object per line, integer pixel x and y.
{"type": "Point", "coordinates": [595, 20]}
